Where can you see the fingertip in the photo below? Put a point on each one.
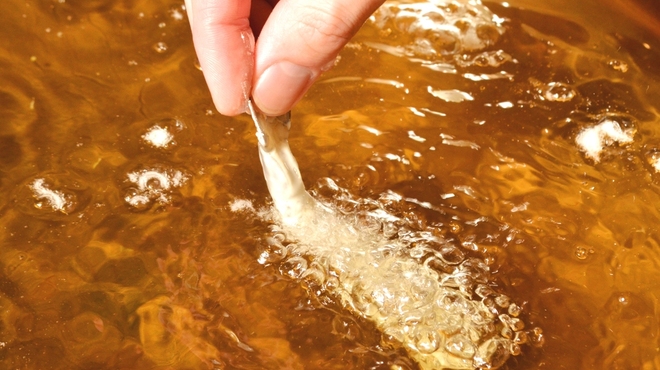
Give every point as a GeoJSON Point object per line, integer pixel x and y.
{"type": "Point", "coordinates": [233, 109]}
{"type": "Point", "coordinates": [281, 86]}
{"type": "Point", "coordinates": [225, 49]}
{"type": "Point", "coordinates": [228, 93]}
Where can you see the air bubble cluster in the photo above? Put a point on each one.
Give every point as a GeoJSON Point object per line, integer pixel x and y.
{"type": "Point", "coordinates": [153, 185]}
{"type": "Point", "coordinates": [47, 198]}
{"type": "Point", "coordinates": [438, 28]}
{"type": "Point", "coordinates": [491, 58]}
{"type": "Point", "coordinates": [558, 92]}
{"type": "Point", "coordinates": [159, 137]}
{"type": "Point", "coordinates": [421, 291]}
{"type": "Point", "coordinates": [52, 196]}
{"type": "Point", "coordinates": [609, 131]}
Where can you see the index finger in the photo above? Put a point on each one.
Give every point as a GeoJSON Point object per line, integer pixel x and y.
{"type": "Point", "coordinates": [225, 47]}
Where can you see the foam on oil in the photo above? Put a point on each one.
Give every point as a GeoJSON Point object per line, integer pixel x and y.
{"type": "Point", "coordinates": [405, 281]}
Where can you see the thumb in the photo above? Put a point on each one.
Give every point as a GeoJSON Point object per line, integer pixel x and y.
{"type": "Point", "coordinates": [300, 40]}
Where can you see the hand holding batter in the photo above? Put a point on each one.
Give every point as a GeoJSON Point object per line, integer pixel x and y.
{"type": "Point", "coordinates": [296, 40]}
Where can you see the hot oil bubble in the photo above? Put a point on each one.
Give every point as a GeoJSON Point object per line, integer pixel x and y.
{"type": "Point", "coordinates": [404, 20]}
{"type": "Point", "coordinates": [436, 264]}
{"type": "Point", "coordinates": [135, 198]}
{"type": "Point", "coordinates": [159, 137]}
{"type": "Point", "coordinates": [515, 349]}
{"type": "Point", "coordinates": [294, 267]}
{"type": "Point", "coordinates": [503, 301]}
{"type": "Point", "coordinates": [422, 288]}
{"type": "Point", "coordinates": [390, 230]}
{"type": "Point", "coordinates": [493, 353]}
{"type": "Point", "coordinates": [418, 252]}
{"type": "Point", "coordinates": [451, 324]}
{"type": "Point", "coordinates": [581, 253]}
{"type": "Point", "coordinates": [372, 225]}
{"type": "Point", "coordinates": [611, 130]}
{"type": "Point", "coordinates": [440, 42]}
{"type": "Point", "coordinates": [157, 184]}
{"type": "Point", "coordinates": [346, 328]}
{"type": "Point", "coordinates": [653, 158]}
{"type": "Point", "coordinates": [152, 185]}
{"type": "Point", "coordinates": [49, 199]}
{"type": "Point", "coordinates": [161, 134]}
{"type": "Point", "coordinates": [558, 92]}
{"type": "Point", "coordinates": [490, 305]}
{"type": "Point", "coordinates": [364, 301]}
{"type": "Point", "coordinates": [460, 345]}
{"type": "Point", "coordinates": [427, 341]}
{"type": "Point", "coordinates": [455, 227]}
{"type": "Point", "coordinates": [483, 319]}
{"type": "Point", "coordinates": [275, 251]}
{"type": "Point", "coordinates": [512, 322]}
{"type": "Point", "coordinates": [315, 273]}
{"type": "Point", "coordinates": [160, 47]}
{"type": "Point", "coordinates": [395, 334]}
{"type": "Point", "coordinates": [520, 337]}
{"type": "Point", "coordinates": [536, 337]}
{"type": "Point", "coordinates": [331, 283]}
{"type": "Point", "coordinates": [483, 59]}
{"type": "Point", "coordinates": [484, 291]}
{"type": "Point", "coordinates": [489, 33]}
{"type": "Point", "coordinates": [52, 196]}
{"type": "Point", "coordinates": [435, 17]}
{"type": "Point", "coordinates": [383, 252]}
{"type": "Point", "coordinates": [514, 310]}
{"type": "Point", "coordinates": [618, 65]}
{"type": "Point", "coordinates": [451, 255]}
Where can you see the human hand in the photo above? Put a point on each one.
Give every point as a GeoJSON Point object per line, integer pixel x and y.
{"type": "Point", "coordinates": [296, 40]}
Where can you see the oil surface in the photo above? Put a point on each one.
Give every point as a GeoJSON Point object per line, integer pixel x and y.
{"type": "Point", "coordinates": [127, 236]}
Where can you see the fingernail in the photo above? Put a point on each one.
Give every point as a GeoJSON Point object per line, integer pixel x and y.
{"type": "Point", "coordinates": [280, 87]}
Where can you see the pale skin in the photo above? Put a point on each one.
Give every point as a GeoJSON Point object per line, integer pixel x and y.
{"type": "Point", "coordinates": [270, 50]}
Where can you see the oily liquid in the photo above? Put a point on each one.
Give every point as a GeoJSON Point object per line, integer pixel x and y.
{"type": "Point", "coordinates": [135, 219]}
